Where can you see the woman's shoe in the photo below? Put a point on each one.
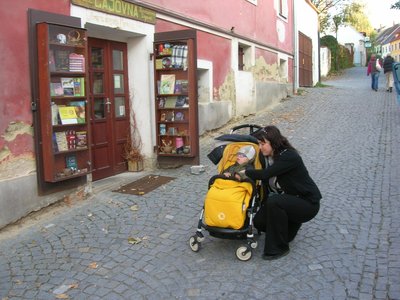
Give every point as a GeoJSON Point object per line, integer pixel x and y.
{"type": "Point", "coordinates": [275, 256]}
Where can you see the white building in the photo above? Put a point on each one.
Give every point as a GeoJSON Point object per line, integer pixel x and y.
{"type": "Point", "coordinates": [353, 40]}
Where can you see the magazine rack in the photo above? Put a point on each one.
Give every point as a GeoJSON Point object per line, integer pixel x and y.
{"type": "Point", "coordinates": [63, 105]}
{"type": "Point", "coordinates": [176, 98]}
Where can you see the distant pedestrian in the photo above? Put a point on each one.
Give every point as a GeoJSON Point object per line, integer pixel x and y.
{"type": "Point", "coordinates": [387, 70]}
{"type": "Point", "coordinates": [374, 68]}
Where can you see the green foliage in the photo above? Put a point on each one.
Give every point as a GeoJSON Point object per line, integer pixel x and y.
{"type": "Point", "coordinates": [320, 84]}
{"type": "Point", "coordinates": [354, 14]}
{"type": "Point", "coordinates": [395, 5]}
{"type": "Point", "coordinates": [341, 57]}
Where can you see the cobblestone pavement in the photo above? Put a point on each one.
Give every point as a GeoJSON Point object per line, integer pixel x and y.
{"type": "Point", "coordinates": [349, 137]}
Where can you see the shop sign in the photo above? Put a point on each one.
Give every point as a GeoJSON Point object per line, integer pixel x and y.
{"type": "Point", "coordinates": [119, 8]}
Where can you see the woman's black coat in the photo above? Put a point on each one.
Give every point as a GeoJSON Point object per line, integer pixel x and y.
{"type": "Point", "coordinates": [292, 176]}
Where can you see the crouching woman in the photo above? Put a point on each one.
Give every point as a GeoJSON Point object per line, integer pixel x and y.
{"type": "Point", "coordinates": [294, 197]}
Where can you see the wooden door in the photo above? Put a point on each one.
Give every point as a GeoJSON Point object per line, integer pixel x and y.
{"type": "Point", "coordinates": [305, 60]}
{"type": "Point", "coordinates": [109, 98]}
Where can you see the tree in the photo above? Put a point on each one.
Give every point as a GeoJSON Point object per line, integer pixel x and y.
{"type": "Point", "coordinates": [324, 7]}
{"type": "Point", "coordinates": [355, 16]}
{"type": "Point", "coordinates": [395, 5]}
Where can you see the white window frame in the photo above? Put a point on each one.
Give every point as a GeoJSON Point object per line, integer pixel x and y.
{"type": "Point", "coordinates": [252, 1]}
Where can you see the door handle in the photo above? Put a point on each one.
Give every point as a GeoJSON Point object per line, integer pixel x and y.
{"type": "Point", "coordinates": [108, 103]}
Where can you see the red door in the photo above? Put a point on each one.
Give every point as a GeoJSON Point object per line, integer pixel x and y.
{"type": "Point", "coordinates": [109, 97]}
{"type": "Point", "coordinates": [305, 60]}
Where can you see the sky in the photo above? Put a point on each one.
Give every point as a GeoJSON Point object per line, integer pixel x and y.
{"type": "Point", "coordinates": [379, 13]}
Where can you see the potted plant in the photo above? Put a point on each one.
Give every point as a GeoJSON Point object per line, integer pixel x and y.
{"type": "Point", "coordinates": [132, 148]}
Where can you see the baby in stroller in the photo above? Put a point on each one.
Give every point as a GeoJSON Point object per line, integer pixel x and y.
{"type": "Point", "coordinates": [244, 161]}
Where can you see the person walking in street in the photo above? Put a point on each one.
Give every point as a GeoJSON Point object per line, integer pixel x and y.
{"type": "Point", "coordinates": [293, 196]}
{"type": "Point", "coordinates": [387, 70]}
{"type": "Point", "coordinates": [374, 68]}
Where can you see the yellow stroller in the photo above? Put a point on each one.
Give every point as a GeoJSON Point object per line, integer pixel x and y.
{"type": "Point", "coordinates": [230, 205]}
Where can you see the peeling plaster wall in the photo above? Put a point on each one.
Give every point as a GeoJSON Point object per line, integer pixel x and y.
{"type": "Point", "coordinates": [17, 153]}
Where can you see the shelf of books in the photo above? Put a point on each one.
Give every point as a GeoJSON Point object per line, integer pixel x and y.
{"type": "Point", "coordinates": [63, 104]}
{"type": "Point", "coordinates": [176, 97]}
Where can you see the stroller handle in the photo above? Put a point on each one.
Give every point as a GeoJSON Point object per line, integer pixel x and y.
{"type": "Point", "coordinates": [252, 127]}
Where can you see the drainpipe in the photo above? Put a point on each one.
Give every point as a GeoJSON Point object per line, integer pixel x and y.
{"type": "Point", "coordinates": [295, 45]}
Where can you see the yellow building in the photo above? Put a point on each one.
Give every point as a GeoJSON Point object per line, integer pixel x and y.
{"type": "Point", "coordinates": [395, 46]}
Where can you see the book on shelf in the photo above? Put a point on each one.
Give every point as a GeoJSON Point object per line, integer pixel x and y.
{"type": "Point", "coordinates": [67, 115]}
{"type": "Point", "coordinates": [68, 86]}
{"type": "Point", "coordinates": [180, 101]}
{"type": "Point", "coordinates": [161, 102]}
{"type": "Point", "coordinates": [61, 141]}
{"type": "Point", "coordinates": [178, 87]}
{"type": "Point", "coordinates": [54, 114]}
{"type": "Point", "coordinates": [170, 116]}
{"type": "Point", "coordinates": [184, 86]}
{"type": "Point", "coordinates": [56, 89]}
{"type": "Point", "coordinates": [80, 110]}
{"type": "Point", "coordinates": [71, 162]}
{"type": "Point", "coordinates": [76, 62]}
{"type": "Point", "coordinates": [71, 139]}
{"type": "Point", "coordinates": [159, 64]}
{"type": "Point", "coordinates": [170, 102]}
{"type": "Point", "coordinates": [52, 61]}
{"type": "Point", "coordinates": [163, 129]}
{"type": "Point", "coordinates": [61, 58]}
{"type": "Point", "coordinates": [179, 116]}
{"type": "Point", "coordinates": [79, 87]}
{"type": "Point", "coordinates": [54, 141]}
{"type": "Point", "coordinates": [81, 139]}
{"type": "Point", "coordinates": [167, 84]}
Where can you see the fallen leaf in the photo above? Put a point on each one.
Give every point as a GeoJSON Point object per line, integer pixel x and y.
{"type": "Point", "coordinates": [93, 265]}
{"type": "Point", "coordinates": [141, 193]}
{"type": "Point", "coordinates": [134, 208]}
{"type": "Point", "coordinates": [74, 286]}
{"type": "Point", "coordinates": [133, 241]}
{"type": "Point", "coordinates": [62, 296]}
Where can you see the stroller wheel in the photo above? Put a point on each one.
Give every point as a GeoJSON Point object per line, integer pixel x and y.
{"type": "Point", "coordinates": [194, 244]}
{"type": "Point", "coordinates": [253, 244]}
{"type": "Point", "coordinates": [199, 237]}
{"type": "Point", "coordinates": [243, 253]}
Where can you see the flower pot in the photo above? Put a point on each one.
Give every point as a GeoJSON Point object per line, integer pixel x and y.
{"type": "Point", "coordinates": [135, 166]}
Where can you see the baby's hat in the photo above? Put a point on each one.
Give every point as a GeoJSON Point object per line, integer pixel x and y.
{"type": "Point", "coordinates": [248, 151]}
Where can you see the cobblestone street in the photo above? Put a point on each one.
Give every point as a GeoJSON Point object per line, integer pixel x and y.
{"type": "Point", "coordinates": [349, 138]}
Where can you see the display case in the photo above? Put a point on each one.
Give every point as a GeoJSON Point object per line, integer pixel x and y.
{"type": "Point", "coordinates": [176, 98]}
{"type": "Point", "coordinates": [63, 105]}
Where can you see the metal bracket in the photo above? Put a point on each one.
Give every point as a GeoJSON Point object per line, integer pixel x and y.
{"type": "Point", "coordinates": [33, 106]}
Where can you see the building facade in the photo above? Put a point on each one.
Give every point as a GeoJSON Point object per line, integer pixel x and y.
{"type": "Point", "coordinates": [245, 63]}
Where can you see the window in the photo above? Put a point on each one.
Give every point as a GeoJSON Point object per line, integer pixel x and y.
{"type": "Point", "coordinates": [240, 58]}
{"type": "Point", "coordinates": [283, 8]}
{"type": "Point", "coordinates": [244, 57]}
{"type": "Point", "coordinates": [283, 68]}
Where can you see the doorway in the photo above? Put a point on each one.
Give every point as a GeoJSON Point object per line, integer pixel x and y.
{"type": "Point", "coordinates": [305, 60]}
{"type": "Point", "coordinates": [109, 102]}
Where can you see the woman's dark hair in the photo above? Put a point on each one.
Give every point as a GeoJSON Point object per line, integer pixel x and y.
{"type": "Point", "coordinates": [274, 137]}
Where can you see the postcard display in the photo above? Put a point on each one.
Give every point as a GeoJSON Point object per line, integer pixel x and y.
{"type": "Point", "coordinates": [176, 98]}
{"type": "Point", "coordinates": [64, 111]}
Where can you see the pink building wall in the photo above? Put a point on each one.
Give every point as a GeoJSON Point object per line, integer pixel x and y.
{"type": "Point", "coordinates": [15, 90]}
{"type": "Point", "coordinates": [253, 21]}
